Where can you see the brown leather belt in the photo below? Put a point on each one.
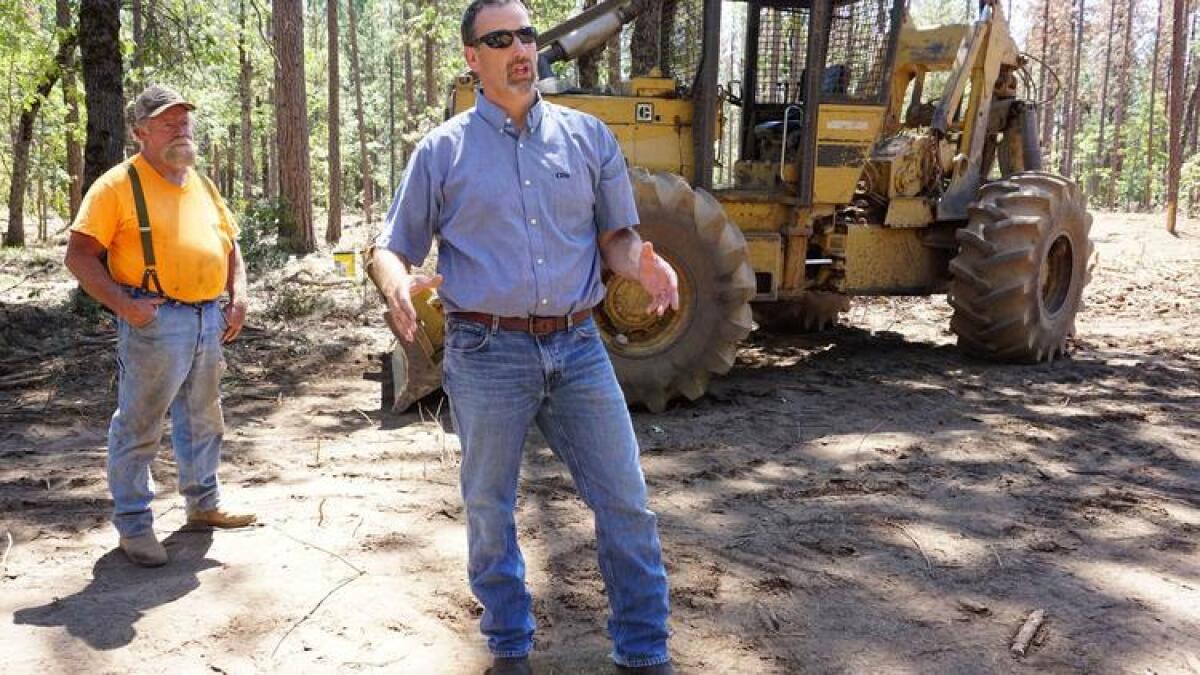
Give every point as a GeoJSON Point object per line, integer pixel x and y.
{"type": "Point", "coordinates": [535, 325]}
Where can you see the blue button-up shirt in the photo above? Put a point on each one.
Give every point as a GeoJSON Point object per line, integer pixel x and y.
{"type": "Point", "coordinates": [517, 216]}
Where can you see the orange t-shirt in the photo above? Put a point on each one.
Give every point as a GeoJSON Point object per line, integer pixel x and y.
{"type": "Point", "coordinates": [192, 235]}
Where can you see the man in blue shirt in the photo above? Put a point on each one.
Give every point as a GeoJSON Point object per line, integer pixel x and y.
{"type": "Point", "coordinates": [527, 200]}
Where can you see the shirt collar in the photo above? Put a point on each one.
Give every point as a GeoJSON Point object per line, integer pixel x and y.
{"type": "Point", "coordinates": [495, 115]}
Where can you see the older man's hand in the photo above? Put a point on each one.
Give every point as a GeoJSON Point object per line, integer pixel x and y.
{"type": "Point", "coordinates": [235, 317]}
{"type": "Point", "coordinates": [658, 279]}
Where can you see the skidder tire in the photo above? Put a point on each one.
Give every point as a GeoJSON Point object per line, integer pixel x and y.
{"type": "Point", "coordinates": [1017, 281]}
{"type": "Point", "coordinates": [660, 358]}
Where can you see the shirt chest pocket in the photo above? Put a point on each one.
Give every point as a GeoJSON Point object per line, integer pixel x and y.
{"type": "Point", "coordinates": [568, 195]}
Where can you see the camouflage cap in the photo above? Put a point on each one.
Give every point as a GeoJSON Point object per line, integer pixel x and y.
{"type": "Point", "coordinates": [154, 100]}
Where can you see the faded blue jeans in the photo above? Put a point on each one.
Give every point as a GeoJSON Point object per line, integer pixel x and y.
{"type": "Point", "coordinates": [498, 382]}
{"type": "Point", "coordinates": [173, 364]}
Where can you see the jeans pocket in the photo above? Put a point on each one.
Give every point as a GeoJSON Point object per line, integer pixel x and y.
{"type": "Point", "coordinates": [586, 329]}
{"type": "Point", "coordinates": [466, 336]}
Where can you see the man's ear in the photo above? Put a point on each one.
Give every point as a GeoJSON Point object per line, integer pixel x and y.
{"type": "Point", "coordinates": [472, 57]}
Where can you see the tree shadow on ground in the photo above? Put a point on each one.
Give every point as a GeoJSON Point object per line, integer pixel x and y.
{"type": "Point", "coordinates": [104, 614]}
{"type": "Point", "coordinates": [861, 503]}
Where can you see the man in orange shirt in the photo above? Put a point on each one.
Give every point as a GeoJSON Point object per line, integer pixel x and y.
{"type": "Point", "coordinates": [171, 246]}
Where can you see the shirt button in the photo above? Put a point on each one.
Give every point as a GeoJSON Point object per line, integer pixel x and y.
{"type": "Point", "coordinates": [533, 221]}
{"type": "Point", "coordinates": [527, 182]}
{"type": "Point", "coordinates": [540, 261]}
{"type": "Point", "coordinates": [520, 145]}
{"type": "Point", "coordinates": [545, 301]}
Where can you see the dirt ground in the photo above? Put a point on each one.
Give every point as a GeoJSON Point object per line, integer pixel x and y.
{"type": "Point", "coordinates": [864, 500]}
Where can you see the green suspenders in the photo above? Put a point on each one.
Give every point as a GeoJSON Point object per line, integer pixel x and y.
{"type": "Point", "coordinates": [139, 202]}
{"type": "Point", "coordinates": [143, 217]}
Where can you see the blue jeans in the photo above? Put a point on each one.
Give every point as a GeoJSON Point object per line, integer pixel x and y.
{"type": "Point", "coordinates": [498, 382]}
{"type": "Point", "coordinates": [173, 364]}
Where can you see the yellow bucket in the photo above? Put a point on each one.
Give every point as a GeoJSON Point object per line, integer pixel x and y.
{"type": "Point", "coordinates": [346, 263]}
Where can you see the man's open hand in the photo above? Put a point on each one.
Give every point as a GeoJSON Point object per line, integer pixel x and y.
{"type": "Point", "coordinates": [658, 279]}
{"type": "Point", "coordinates": [401, 316]}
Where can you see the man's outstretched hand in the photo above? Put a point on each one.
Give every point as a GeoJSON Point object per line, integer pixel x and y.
{"type": "Point", "coordinates": [401, 316]}
{"type": "Point", "coordinates": [658, 279]}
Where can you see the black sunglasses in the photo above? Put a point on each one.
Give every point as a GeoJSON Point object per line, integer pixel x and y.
{"type": "Point", "coordinates": [502, 39]}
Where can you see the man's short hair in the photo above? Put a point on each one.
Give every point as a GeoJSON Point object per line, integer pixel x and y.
{"type": "Point", "coordinates": [472, 11]}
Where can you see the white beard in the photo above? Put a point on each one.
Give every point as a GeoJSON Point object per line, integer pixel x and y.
{"type": "Point", "coordinates": [180, 155]}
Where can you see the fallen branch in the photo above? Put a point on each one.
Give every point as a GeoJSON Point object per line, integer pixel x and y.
{"type": "Point", "coordinates": [23, 378]}
{"type": "Point", "coordinates": [358, 572]}
{"type": "Point", "coordinates": [312, 611]}
{"type": "Point", "coordinates": [326, 551]}
{"type": "Point", "coordinates": [4, 560]}
{"type": "Point", "coordinates": [928, 565]}
{"type": "Point", "coordinates": [1032, 623]}
{"type": "Point", "coordinates": [865, 437]}
{"type": "Point", "coordinates": [999, 563]}
{"type": "Point", "coordinates": [27, 277]}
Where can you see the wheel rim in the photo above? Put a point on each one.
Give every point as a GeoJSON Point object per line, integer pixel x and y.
{"type": "Point", "coordinates": [628, 329]}
{"type": "Point", "coordinates": [1056, 274]}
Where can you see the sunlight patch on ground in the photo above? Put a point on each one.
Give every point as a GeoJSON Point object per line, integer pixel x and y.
{"type": "Point", "coordinates": [1176, 595]}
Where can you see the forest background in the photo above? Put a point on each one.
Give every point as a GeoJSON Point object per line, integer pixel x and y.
{"type": "Point", "coordinates": [374, 81]}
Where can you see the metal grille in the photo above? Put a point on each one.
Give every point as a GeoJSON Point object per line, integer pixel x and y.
{"type": "Point", "coordinates": [858, 43]}
{"type": "Point", "coordinates": [782, 51]}
{"type": "Point", "coordinates": [682, 37]}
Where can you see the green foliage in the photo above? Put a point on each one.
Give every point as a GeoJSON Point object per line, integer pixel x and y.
{"type": "Point", "coordinates": [258, 238]}
{"type": "Point", "coordinates": [294, 301]}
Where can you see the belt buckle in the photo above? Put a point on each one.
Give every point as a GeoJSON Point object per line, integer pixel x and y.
{"type": "Point", "coordinates": [542, 325]}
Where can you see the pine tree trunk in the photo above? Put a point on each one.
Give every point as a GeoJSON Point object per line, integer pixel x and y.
{"type": "Point", "coordinates": [1101, 148]}
{"type": "Point", "coordinates": [430, 65]}
{"type": "Point", "coordinates": [1176, 114]}
{"type": "Point", "coordinates": [137, 15]}
{"type": "Point", "coordinates": [391, 68]}
{"type": "Point", "coordinates": [644, 45]}
{"type": "Point", "coordinates": [291, 127]}
{"type": "Point", "coordinates": [333, 225]}
{"type": "Point", "coordinates": [1068, 163]}
{"type": "Point", "coordinates": [272, 162]}
{"type": "Point", "coordinates": [614, 61]}
{"type": "Point", "coordinates": [265, 149]}
{"type": "Point", "coordinates": [364, 161]}
{"type": "Point", "coordinates": [1147, 193]}
{"type": "Point", "coordinates": [1120, 106]}
{"type": "Point", "coordinates": [410, 86]}
{"type": "Point", "coordinates": [214, 162]}
{"type": "Point", "coordinates": [589, 64]}
{"type": "Point", "coordinates": [1189, 72]}
{"type": "Point", "coordinates": [100, 51]}
{"type": "Point", "coordinates": [64, 21]}
{"type": "Point", "coordinates": [15, 236]}
{"type": "Point", "coordinates": [232, 159]}
{"type": "Point", "coordinates": [43, 205]}
{"type": "Point", "coordinates": [1042, 77]}
{"type": "Point", "coordinates": [245, 77]}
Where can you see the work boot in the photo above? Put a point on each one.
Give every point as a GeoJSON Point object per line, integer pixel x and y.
{"type": "Point", "coordinates": [503, 665]}
{"type": "Point", "coordinates": [144, 550]}
{"type": "Point", "coordinates": [219, 517]}
{"type": "Point", "coordinates": [657, 669]}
